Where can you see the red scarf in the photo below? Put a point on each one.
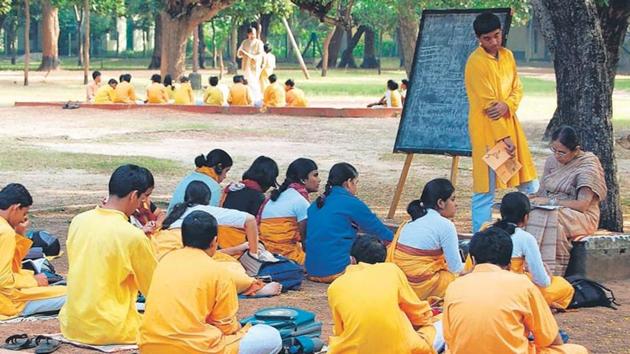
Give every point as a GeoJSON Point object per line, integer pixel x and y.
{"type": "Point", "coordinates": [300, 188]}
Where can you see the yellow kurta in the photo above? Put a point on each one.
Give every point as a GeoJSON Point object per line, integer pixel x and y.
{"type": "Point", "coordinates": [274, 96]}
{"type": "Point", "coordinates": [18, 286]}
{"type": "Point", "coordinates": [125, 93]}
{"type": "Point", "coordinates": [282, 236]}
{"type": "Point", "coordinates": [105, 94]}
{"type": "Point", "coordinates": [374, 311]}
{"type": "Point", "coordinates": [488, 80]}
{"type": "Point", "coordinates": [296, 98]}
{"type": "Point", "coordinates": [184, 94]}
{"type": "Point", "coordinates": [492, 310]}
{"type": "Point", "coordinates": [191, 307]}
{"type": "Point", "coordinates": [239, 95]}
{"type": "Point", "coordinates": [156, 93]}
{"type": "Point", "coordinates": [213, 96]}
{"type": "Point", "coordinates": [395, 99]}
{"type": "Point", "coordinates": [109, 261]}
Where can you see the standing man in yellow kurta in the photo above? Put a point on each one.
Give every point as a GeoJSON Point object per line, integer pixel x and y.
{"type": "Point", "coordinates": [21, 292]}
{"type": "Point", "coordinates": [109, 260]}
{"type": "Point", "coordinates": [493, 310]}
{"type": "Point", "coordinates": [494, 93]}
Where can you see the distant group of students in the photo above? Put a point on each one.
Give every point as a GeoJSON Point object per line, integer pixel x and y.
{"type": "Point", "coordinates": [394, 96]}
{"type": "Point", "coordinates": [165, 92]}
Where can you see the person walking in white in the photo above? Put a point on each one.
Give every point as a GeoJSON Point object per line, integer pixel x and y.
{"type": "Point", "coordinates": [251, 52]}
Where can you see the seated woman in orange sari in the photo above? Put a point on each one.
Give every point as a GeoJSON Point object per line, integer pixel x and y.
{"type": "Point", "coordinates": [573, 181]}
{"type": "Point", "coordinates": [283, 215]}
{"type": "Point", "coordinates": [427, 248]}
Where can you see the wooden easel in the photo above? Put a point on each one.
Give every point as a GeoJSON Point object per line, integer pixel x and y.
{"type": "Point", "coordinates": [403, 179]}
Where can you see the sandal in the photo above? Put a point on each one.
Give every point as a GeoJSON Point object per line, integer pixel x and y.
{"type": "Point", "coordinates": [18, 342]}
{"type": "Point", "coordinates": [46, 345]}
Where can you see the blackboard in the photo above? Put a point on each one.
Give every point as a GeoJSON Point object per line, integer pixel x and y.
{"type": "Point", "coordinates": [435, 114]}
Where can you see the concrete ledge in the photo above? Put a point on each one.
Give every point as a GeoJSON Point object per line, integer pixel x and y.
{"type": "Point", "coordinates": [323, 112]}
{"type": "Point", "coordinates": [601, 258]}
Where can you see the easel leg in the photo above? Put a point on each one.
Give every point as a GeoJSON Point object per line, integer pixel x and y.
{"type": "Point", "coordinates": [399, 187]}
{"type": "Point", "coordinates": [454, 170]}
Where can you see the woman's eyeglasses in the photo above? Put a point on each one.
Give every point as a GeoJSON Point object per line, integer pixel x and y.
{"type": "Point", "coordinates": [557, 153]}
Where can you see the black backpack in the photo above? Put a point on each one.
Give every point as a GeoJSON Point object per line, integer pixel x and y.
{"type": "Point", "coordinates": [589, 293]}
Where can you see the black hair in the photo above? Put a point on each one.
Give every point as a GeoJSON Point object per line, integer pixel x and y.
{"type": "Point", "coordinates": [250, 29]}
{"type": "Point", "coordinates": [168, 80]}
{"type": "Point", "coordinates": [126, 77]}
{"type": "Point", "coordinates": [263, 170]}
{"type": "Point", "coordinates": [213, 80]}
{"type": "Point", "coordinates": [156, 78]}
{"type": "Point", "coordinates": [405, 82]}
{"type": "Point", "coordinates": [217, 159]}
{"type": "Point", "coordinates": [273, 78]}
{"type": "Point", "coordinates": [368, 249]}
{"type": "Point", "coordinates": [199, 229]}
{"type": "Point", "coordinates": [514, 207]}
{"type": "Point", "coordinates": [129, 178]}
{"type": "Point", "coordinates": [96, 74]}
{"type": "Point", "coordinates": [112, 81]}
{"type": "Point", "coordinates": [244, 80]}
{"type": "Point", "coordinates": [183, 79]}
{"type": "Point", "coordinates": [339, 173]}
{"type": "Point", "coordinates": [121, 78]}
{"type": "Point", "coordinates": [437, 189]}
{"type": "Point", "coordinates": [392, 85]}
{"type": "Point", "coordinates": [486, 23]}
{"type": "Point", "coordinates": [297, 172]}
{"type": "Point", "coordinates": [197, 193]}
{"type": "Point", "coordinates": [15, 193]}
{"type": "Point", "coordinates": [267, 48]}
{"type": "Point", "coordinates": [290, 83]}
{"type": "Point", "coordinates": [492, 245]}
{"type": "Point", "coordinates": [237, 78]}
{"type": "Point", "coordinates": [567, 136]}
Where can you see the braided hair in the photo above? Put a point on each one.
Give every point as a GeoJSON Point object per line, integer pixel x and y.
{"type": "Point", "coordinates": [297, 172]}
{"type": "Point", "coordinates": [197, 193]}
{"type": "Point", "coordinates": [339, 173]}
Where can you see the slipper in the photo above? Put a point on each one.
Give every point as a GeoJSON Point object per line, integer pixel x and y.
{"type": "Point", "coordinates": [18, 342]}
{"type": "Point", "coordinates": [46, 345]}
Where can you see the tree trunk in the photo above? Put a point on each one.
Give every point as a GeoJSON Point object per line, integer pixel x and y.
{"type": "Point", "coordinates": [195, 49]}
{"type": "Point", "coordinates": [409, 26]}
{"type": "Point", "coordinates": [347, 59]}
{"type": "Point", "coordinates": [265, 22]}
{"type": "Point", "coordinates": [369, 52]}
{"type": "Point", "coordinates": [78, 15]}
{"type": "Point", "coordinates": [585, 71]}
{"type": "Point", "coordinates": [233, 64]}
{"type": "Point", "coordinates": [334, 47]}
{"type": "Point", "coordinates": [202, 46]}
{"type": "Point", "coordinates": [399, 46]}
{"type": "Point", "coordinates": [86, 43]}
{"type": "Point", "coordinates": [325, 51]}
{"type": "Point", "coordinates": [11, 31]}
{"type": "Point", "coordinates": [50, 40]}
{"type": "Point", "coordinates": [27, 39]}
{"type": "Point", "coordinates": [157, 43]}
{"type": "Point", "coordinates": [214, 46]}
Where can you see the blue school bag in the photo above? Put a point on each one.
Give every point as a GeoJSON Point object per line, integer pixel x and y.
{"type": "Point", "coordinates": [298, 328]}
{"type": "Point", "coordinates": [283, 271]}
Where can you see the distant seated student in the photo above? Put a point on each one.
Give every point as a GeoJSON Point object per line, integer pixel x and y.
{"type": "Point", "coordinates": [240, 94]}
{"type": "Point", "coordinates": [274, 95]}
{"type": "Point", "coordinates": [391, 99]}
{"type": "Point", "coordinates": [156, 92]}
{"type": "Point", "coordinates": [125, 92]}
{"type": "Point", "coordinates": [404, 85]}
{"type": "Point", "coordinates": [427, 248]}
{"type": "Point", "coordinates": [294, 96]}
{"type": "Point", "coordinates": [494, 311]}
{"type": "Point", "coordinates": [183, 92]}
{"type": "Point", "coordinates": [23, 293]}
{"type": "Point", "coordinates": [92, 87]}
{"type": "Point", "coordinates": [213, 95]}
{"type": "Point", "coordinates": [192, 306]}
{"type": "Point", "coordinates": [168, 84]}
{"type": "Point", "coordinates": [333, 223]}
{"type": "Point", "coordinates": [376, 311]}
{"type": "Point", "coordinates": [106, 94]}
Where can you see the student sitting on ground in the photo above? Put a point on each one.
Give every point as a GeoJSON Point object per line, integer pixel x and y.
{"type": "Point", "coordinates": [274, 93]}
{"type": "Point", "coordinates": [213, 95]}
{"type": "Point", "coordinates": [493, 310]}
{"type": "Point", "coordinates": [515, 208]}
{"type": "Point", "coordinates": [283, 216]}
{"type": "Point", "coordinates": [240, 94]}
{"type": "Point", "coordinates": [22, 293]}
{"type": "Point", "coordinates": [156, 92]}
{"type": "Point", "coordinates": [404, 85]}
{"type": "Point", "coordinates": [332, 225]}
{"type": "Point", "coordinates": [92, 87]}
{"type": "Point", "coordinates": [248, 196]}
{"type": "Point", "coordinates": [375, 310]}
{"type": "Point", "coordinates": [294, 96]}
{"type": "Point", "coordinates": [427, 248]}
{"type": "Point", "coordinates": [109, 260]}
{"type": "Point", "coordinates": [391, 99]}
{"type": "Point", "coordinates": [183, 92]}
{"type": "Point", "coordinates": [192, 305]}
{"type": "Point", "coordinates": [106, 94]}
{"type": "Point", "coordinates": [212, 169]}
{"type": "Point", "coordinates": [125, 92]}
{"type": "Point", "coordinates": [168, 84]}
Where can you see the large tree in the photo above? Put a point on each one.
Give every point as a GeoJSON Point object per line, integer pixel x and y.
{"type": "Point", "coordinates": [584, 39]}
{"type": "Point", "coordinates": [50, 36]}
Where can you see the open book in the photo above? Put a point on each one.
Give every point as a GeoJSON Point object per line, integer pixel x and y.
{"type": "Point", "coordinates": [500, 161]}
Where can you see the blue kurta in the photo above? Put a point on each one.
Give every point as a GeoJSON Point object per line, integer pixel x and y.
{"type": "Point", "coordinates": [180, 190]}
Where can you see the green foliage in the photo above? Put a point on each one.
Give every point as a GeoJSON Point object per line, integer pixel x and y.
{"type": "Point", "coordinates": [5, 7]}
{"type": "Point", "coordinates": [250, 10]}
{"type": "Point", "coordinates": [378, 15]}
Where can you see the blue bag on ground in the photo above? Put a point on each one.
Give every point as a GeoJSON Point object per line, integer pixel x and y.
{"type": "Point", "coordinates": [281, 270]}
{"type": "Point", "coordinates": [298, 328]}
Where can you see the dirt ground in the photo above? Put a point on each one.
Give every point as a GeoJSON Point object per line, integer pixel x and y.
{"type": "Point", "coordinates": [61, 188]}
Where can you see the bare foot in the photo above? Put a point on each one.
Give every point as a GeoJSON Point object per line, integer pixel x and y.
{"type": "Point", "coordinates": [270, 289]}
